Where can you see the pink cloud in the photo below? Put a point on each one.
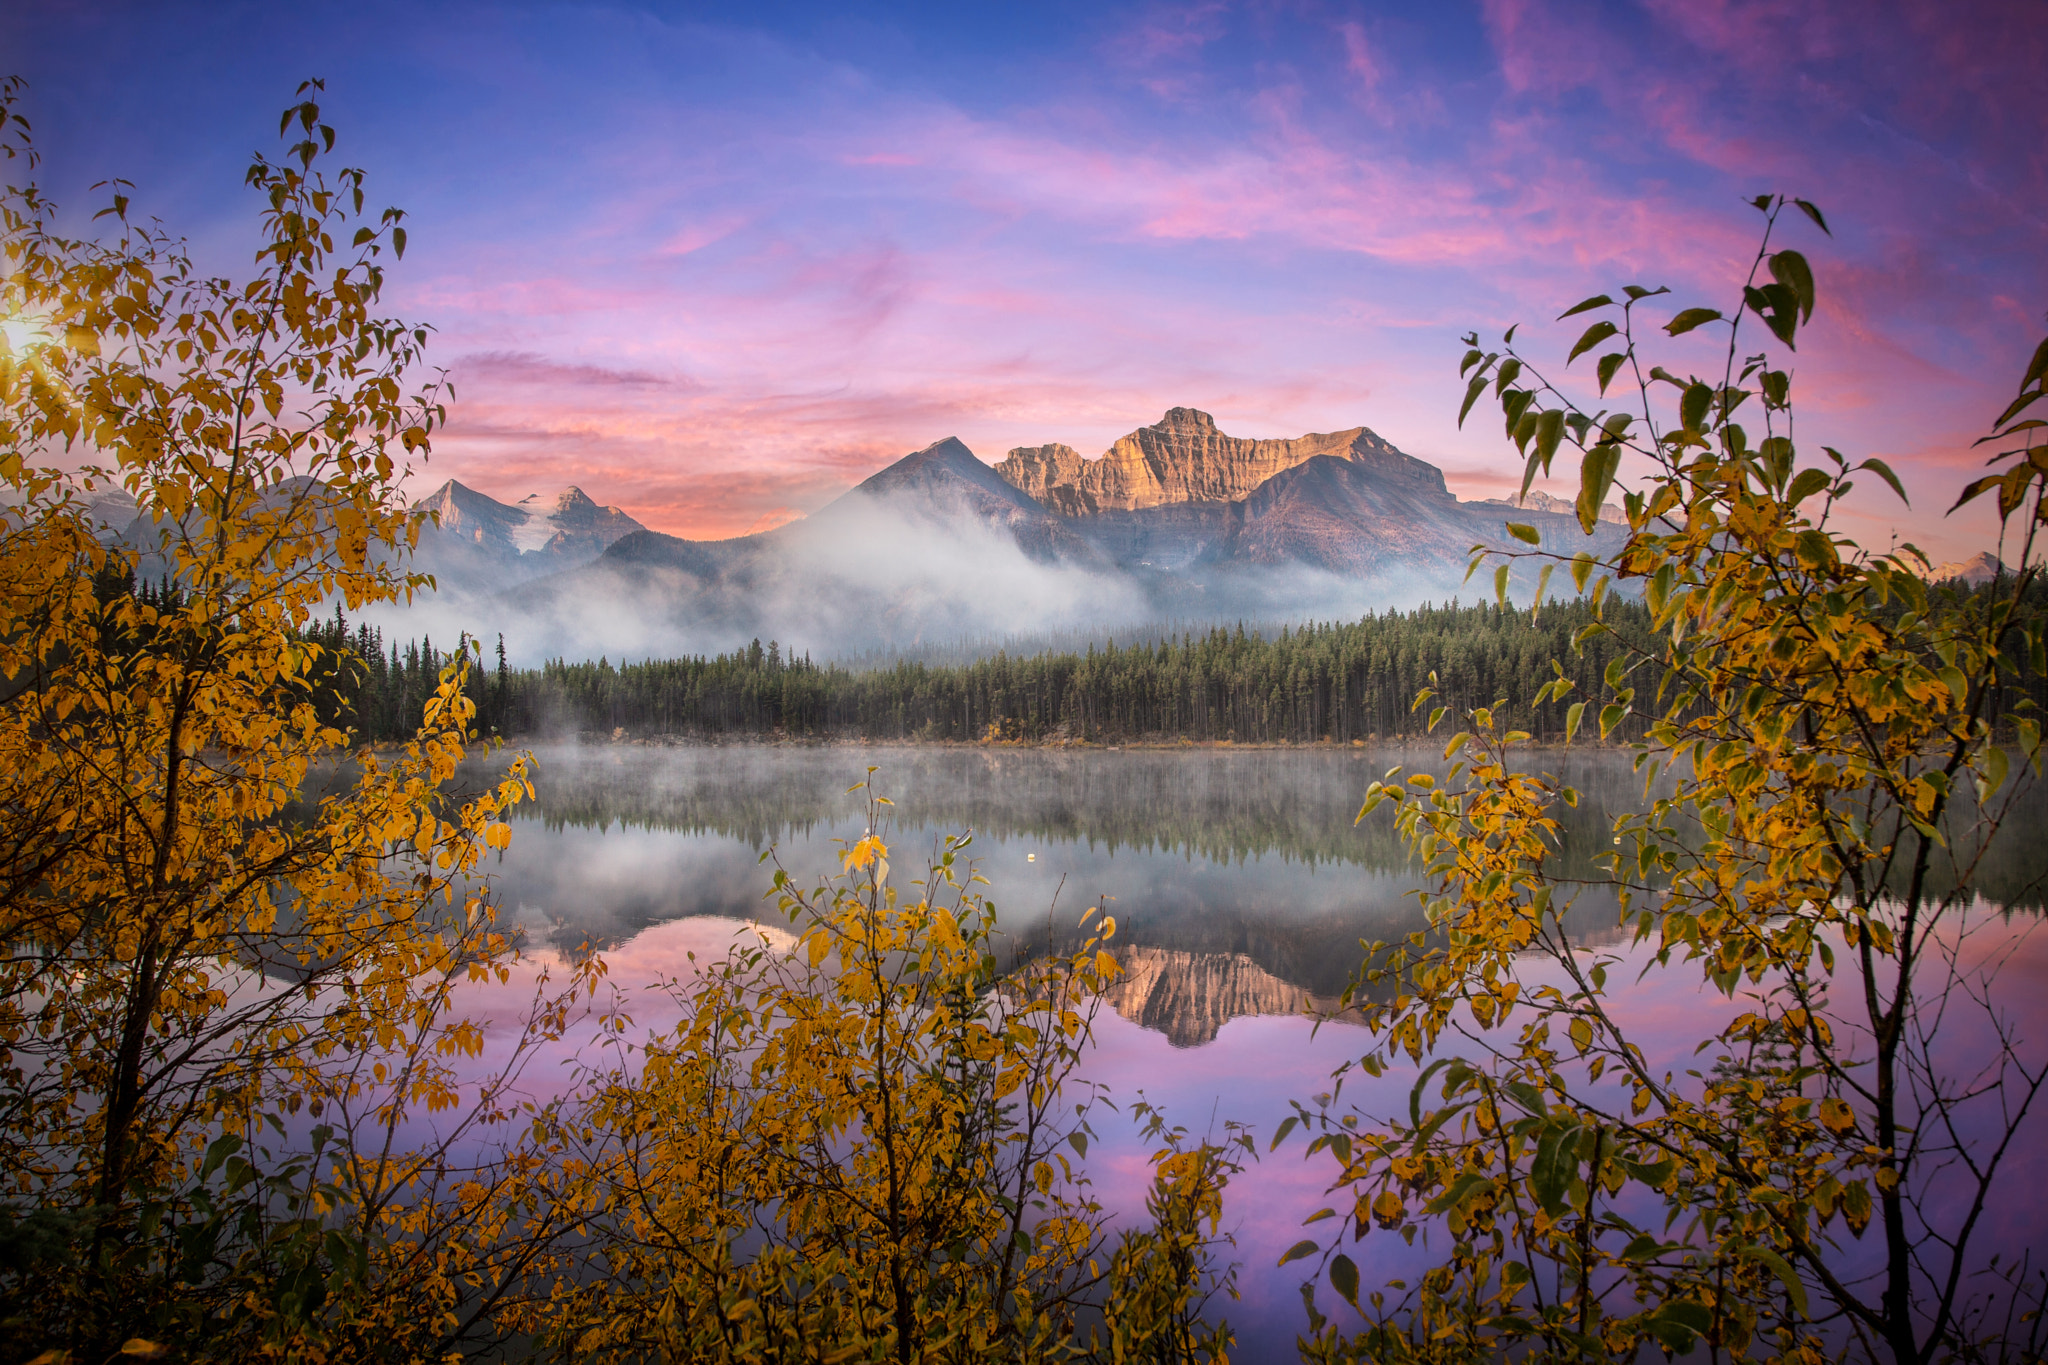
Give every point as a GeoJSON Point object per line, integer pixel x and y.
{"type": "Point", "coordinates": [1358, 58]}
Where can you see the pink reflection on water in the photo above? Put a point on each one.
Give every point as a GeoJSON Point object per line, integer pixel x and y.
{"type": "Point", "coordinates": [1256, 1066]}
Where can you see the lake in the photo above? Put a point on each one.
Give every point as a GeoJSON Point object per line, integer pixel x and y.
{"type": "Point", "coordinates": [1241, 889]}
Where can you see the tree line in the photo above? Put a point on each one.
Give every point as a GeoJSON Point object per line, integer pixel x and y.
{"type": "Point", "coordinates": [1329, 681]}
{"type": "Point", "coordinates": [1335, 681]}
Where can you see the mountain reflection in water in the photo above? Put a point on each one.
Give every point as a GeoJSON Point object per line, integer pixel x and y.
{"type": "Point", "coordinates": [1238, 880]}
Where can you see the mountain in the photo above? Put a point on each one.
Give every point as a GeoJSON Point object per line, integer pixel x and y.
{"type": "Point", "coordinates": [1976, 571]}
{"type": "Point", "coordinates": [1181, 458]}
{"type": "Point", "coordinates": [1538, 501]}
{"type": "Point", "coordinates": [477, 542]}
{"type": "Point", "coordinates": [933, 547]}
{"type": "Point", "coordinates": [1177, 521]}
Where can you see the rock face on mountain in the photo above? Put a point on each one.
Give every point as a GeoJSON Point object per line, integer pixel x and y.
{"type": "Point", "coordinates": [1340, 515]}
{"type": "Point", "coordinates": [1188, 996]}
{"type": "Point", "coordinates": [1184, 458]}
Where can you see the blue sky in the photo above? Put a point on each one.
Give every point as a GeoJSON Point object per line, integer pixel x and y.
{"type": "Point", "coordinates": [714, 261]}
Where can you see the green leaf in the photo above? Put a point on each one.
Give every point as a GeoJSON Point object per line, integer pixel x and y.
{"type": "Point", "coordinates": [1597, 301]}
{"type": "Point", "coordinates": [1078, 1140]}
{"type": "Point", "coordinates": [1693, 405]}
{"type": "Point", "coordinates": [1777, 455]}
{"type": "Point", "coordinates": [1790, 269]}
{"type": "Point", "coordinates": [1778, 306]}
{"type": "Point", "coordinates": [2038, 367]}
{"type": "Point", "coordinates": [1794, 1290]}
{"type": "Point", "coordinates": [1811, 212]}
{"type": "Point", "coordinates": [1299, 1250]}
{"type": "Point", "coordinates": [1691, 318]}
{"type": "Point", "coordinates": [1608, 365]}
{"type": "Point", "coordinates": [1500, 584]}
{"type": "Point", "coordinates": [1472, 392]}
{"type": "Point", "coordinates": [1344, 1277]}
{"type": "Point", "coordinates": [1808, 482]}
{"type": "Point", "coordinates": [1814, 549]}
{"type": "Point", "coordinates": [1678, 1323]}
{"type": "Point", "coordinates": [2017, 406]}
{"type": "Point", "coordinates": [1596, 476]}
{"type": "Point", "coordinates": [1549, 433]}
{"type": "Point", "coordinates": [1557, 1161]}
{"type": "Point", "coordinates": [1996, 767]}
{"type": "Point", "coordinates": [1572, 717]}
{"type": "Point", "coordinates": [1528, 535]}
{"type": "Point", "coordinates": [1512, 405]}
{"type": "Point", "coordinates": [1884, 471]}
{"type": "Point", "coordinates": [1971, 490]}
{"type": "Point", "coordinates": [1642, 1248]}
{"type": "Point", "coordinates": [1526, 429]}
{"type": "Point", "coordinates": [1460, 1189]}
{"type": "Point", "coordinates": [1592, 337]}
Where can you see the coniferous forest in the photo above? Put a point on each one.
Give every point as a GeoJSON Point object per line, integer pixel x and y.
{"type": "Point", "coordinates": [1320, 682]}
{"type": "Point", "coordinates": [1338, 682]}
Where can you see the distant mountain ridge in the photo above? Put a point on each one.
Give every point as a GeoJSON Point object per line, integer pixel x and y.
{"type": "Point", "coordinates": [1176, 521]}
{"type": "Point", "coordinates": [1538, 501]}
{"type": "Point", "coordinates": [479, 542]}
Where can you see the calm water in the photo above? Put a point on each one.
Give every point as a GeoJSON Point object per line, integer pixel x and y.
{"type": "Point", "coordinates": [1241, 888]}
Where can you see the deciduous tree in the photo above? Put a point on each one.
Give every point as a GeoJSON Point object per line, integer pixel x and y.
{"type": "Point", "coordinates": [1829, 748]}
{"type": "Point", "coordinates": [222, 995]}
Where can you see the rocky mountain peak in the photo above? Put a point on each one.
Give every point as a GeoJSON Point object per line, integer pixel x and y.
{"type": "Point", "coordinates": [943, 478]}
{"type": "Point", "coordinates": [1184, 458]}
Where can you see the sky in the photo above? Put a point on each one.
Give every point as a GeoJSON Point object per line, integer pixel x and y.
{"type": "Point", "coordinates": [716, 263]}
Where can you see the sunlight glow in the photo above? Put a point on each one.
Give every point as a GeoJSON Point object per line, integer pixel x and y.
{"type": "Point", "coordinates": [20, 333]}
